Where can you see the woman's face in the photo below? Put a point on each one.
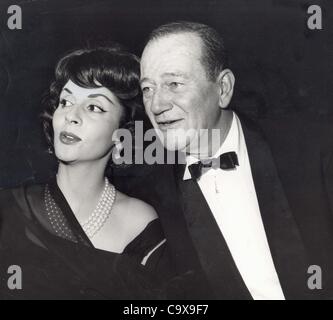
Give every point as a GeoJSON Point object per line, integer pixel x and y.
{"type": "Point", "coordinates": [84, 123]}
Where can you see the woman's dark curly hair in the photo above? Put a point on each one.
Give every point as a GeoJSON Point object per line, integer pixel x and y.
{"type": "Point", "coordinates": [110, 67]}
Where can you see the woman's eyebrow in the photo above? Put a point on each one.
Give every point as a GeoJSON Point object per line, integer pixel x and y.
{"type": "Point", "coordinates": [95, 95]}
{"type": "Point", "coordinates": [69, 91]}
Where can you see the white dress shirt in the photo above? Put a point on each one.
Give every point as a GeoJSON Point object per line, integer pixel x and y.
{"type": "Point", "coordinates": [232, 199]}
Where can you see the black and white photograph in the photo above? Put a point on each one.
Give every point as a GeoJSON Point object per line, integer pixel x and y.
{"type": "Point", "coordinates": [166, 151]}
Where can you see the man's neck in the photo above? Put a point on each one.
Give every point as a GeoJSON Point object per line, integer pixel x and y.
{"type": "Point", "coordinates": [211, 140]}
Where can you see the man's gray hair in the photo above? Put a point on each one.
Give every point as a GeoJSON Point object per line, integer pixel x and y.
{"type": "Point", "coordinates": [214, 56]}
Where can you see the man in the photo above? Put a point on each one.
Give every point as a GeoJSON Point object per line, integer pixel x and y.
{"type": "Point", "coordinates": [235, 230]}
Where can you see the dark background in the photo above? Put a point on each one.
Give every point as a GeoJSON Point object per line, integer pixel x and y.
{"type": "Point", "coordinates": [283, 69]}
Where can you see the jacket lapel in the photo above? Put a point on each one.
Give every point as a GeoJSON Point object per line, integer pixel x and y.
{"type": "Point", "coordinates": [284, 239]}
{"type": "Point", "coordinates": [180, 242]}
{"type": "Point", "coordinates": [213, 252]}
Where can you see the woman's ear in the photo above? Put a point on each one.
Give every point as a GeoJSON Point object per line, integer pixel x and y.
{"type": "Point", "coordinates": [226, 82]}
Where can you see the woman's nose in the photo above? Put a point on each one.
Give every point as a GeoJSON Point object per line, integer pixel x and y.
{"type": "Point", "coordinates": [73, 116]}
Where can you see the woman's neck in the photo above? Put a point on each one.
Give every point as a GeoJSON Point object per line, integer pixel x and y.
{"type": "Point", "coordinates": [82, 185]}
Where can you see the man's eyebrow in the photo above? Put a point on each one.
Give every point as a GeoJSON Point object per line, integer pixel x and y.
{"type": "Point", "coordinates": [167, 74]}
{"type": "Point", "coordinates": [96, 95]}
{"type": "Point", "coordinates": [146, 79]}
{"type": "Point", "coordinates": [175, 74]}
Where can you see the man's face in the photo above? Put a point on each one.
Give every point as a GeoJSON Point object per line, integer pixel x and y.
{"type": "Point", "coordinates": [178, 97]}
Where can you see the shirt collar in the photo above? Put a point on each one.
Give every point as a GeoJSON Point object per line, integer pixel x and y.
{"type": "Point", "coordinates": [231, 143]}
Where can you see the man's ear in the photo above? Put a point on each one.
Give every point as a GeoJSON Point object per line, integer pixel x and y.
{"type": "Point", "coordinates": [226, 82]}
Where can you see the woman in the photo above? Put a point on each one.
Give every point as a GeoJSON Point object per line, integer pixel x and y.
{"type": "Point", "coordinates": [77, 236]}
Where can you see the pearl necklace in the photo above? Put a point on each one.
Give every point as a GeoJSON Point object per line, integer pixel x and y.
{"type": "Point", "coordinates": [102, 211]}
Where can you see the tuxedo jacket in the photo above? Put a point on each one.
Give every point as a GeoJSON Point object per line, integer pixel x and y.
{"type": "Point", "coordinates": [327, 158]}
{"type": "Point", "coordinates": [286, 164]}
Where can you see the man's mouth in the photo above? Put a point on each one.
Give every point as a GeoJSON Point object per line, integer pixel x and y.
{"type": "Point", "coordinates": [170, 124]}
{"type": "Point", "coordinates": [69, 138]}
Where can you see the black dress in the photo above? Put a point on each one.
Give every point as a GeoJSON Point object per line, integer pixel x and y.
{"type": "Point", "coordinates": [58, 261]}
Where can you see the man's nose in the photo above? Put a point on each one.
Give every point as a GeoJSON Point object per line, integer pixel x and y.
{"type": "Point", "coordinates": [161, 102]}
{"type": "Point", "coordinates": [73, 115]}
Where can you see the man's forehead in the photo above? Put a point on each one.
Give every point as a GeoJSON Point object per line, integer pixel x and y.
{"type": "Point", "coordinates": [175, 53]}
{"type": "Point", "coordinates": [173, 44]}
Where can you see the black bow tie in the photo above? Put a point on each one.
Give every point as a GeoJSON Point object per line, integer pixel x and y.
{"type": "Point", "coordinates": [225, 161]}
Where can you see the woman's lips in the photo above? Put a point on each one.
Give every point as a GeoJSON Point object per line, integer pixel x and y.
{"type": "Point", "coordinates": [69, 138]}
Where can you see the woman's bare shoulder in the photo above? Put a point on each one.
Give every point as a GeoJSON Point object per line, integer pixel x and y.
{"type": "Point", "coordinates": [136, 209]}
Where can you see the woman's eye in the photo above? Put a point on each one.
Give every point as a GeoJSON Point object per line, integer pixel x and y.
{"type": "Point", "coordinates": [65, 103]}
{"type": "Point", "coordinates": [95, 108]}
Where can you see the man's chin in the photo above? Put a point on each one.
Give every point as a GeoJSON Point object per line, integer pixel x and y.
{"type": "Point", "coordinates": [175, 146]}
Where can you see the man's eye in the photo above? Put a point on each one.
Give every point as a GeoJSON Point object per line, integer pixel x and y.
{"type": "Point", "coordinates": [65, 103]}
{"type": "Point", "coordinates": [175, 85]}
{"type": "Point", "coordinates": [95, 108]}
{"type": "Point", "coordinates": [146, 91]}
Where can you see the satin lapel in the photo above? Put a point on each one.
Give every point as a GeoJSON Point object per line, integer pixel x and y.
{"type": "Point", "coordinates": [167, 201]}
{"type": "Point", "coordinates": [283, 235]}
{"type": "Point", "coordinates": [210, 245]}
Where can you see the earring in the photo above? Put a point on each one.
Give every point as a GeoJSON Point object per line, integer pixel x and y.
{"type": "Point", "coordinates": [118, 148]}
